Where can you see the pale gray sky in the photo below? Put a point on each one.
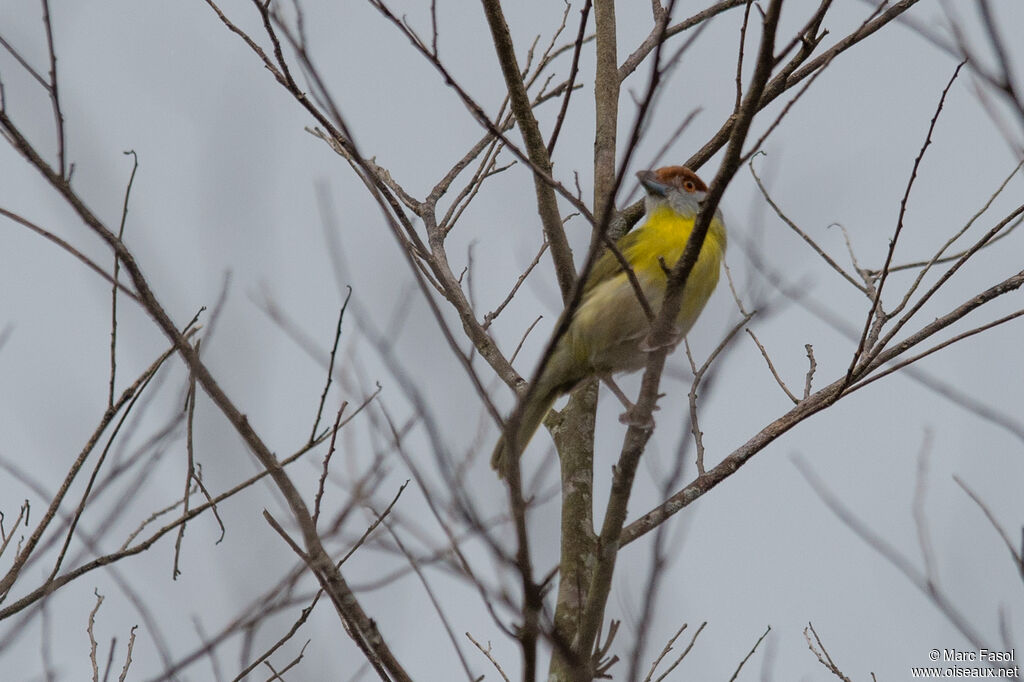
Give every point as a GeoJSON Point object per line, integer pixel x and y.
{"type": "Point", "coordinates": [227, 184]}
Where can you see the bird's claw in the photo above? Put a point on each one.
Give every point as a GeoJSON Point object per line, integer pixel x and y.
{"type": "Point", "coordinates": [632, 417]}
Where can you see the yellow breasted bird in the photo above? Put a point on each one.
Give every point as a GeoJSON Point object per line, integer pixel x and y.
{"type": "Point", "coordinates": [607, 332]}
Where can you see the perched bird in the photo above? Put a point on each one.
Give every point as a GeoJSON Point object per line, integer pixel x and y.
{"type": "Point", "coordinates": [607, 331]}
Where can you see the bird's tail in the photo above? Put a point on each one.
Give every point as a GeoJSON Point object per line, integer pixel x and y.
{"type": "Point", "coordinates": [532, 414]}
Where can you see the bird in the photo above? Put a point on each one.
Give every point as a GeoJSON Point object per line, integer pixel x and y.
{"type": "Point", "coordinates": [608, 329]}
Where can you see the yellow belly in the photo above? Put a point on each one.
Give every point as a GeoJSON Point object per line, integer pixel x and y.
{"type": "Point", "coordinates": [607, 330]}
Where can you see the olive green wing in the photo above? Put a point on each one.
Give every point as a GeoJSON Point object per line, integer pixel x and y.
{"type": "Point", "coordinates": [608, 265]}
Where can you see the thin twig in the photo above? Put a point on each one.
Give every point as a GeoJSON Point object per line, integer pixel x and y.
{"type": "Point", "coordinates": [778, 379]}
{"type": "Point", "coordinates": [821, 653]}
{"type": "Point", "coordinates": [117, 269]}
{"type": "Point", "coordinates": [750, 653]}
{"type": "Point", "coordinates": [938, 258]}
{"type": "Point", "coordinates": [924, 540]}
{"type": "Point", "coordinates": [5, 538]}
{"type": "Point", "coordinates": [816, 402]}
{"type": "Point", "coordinates": [108, 559]}
{"type": "Point", "coordinates": [364, 629]}
{"type": "Point", "coordinates": [294, 662]}
{"type": "Point", "coordinates": [739, 58]}
{"type": "Point", "coordinates": [937, 347]}
{"type": "Point", "coordinates": [304, 615]}
{"type": "Point", "coordinates": [110, 659]}
{"type": "Point", "coordinates": [58, 115]}
{"type": "Point", "coordinates": [809, 39]}
{"type": "Point", "coordinates": [536, 150]}
{"type": "Point", "coordinates": [491, 316]}
{"type": "Point", "coordinates": [812, 365]}
{"type": "Point", "coordinates": [487, 652]}
{"type": "Point", "coordinates": [522, 340]}
{"type": "Point", "coordinates": [1018, 559]}
{"type": "Point", "coordinates": [330, 367]}
{"type": "Point", "coordinates": [1008, 79]}
{"type": "Point", "coordinates": [326, 464]}
{"type": "Point", "coordinates": [803, 235]}
{"type": "Point", "coordinates": [693, 640]}
{"type": "Point", "coordinates": [664, 652]}
{"type": "Point", "coordinates": [732, 288]}
{"type": "Point", "coordinates": [891, 554]}
{"type": "Point", "coordinates": [128, 397]}
{"type": "Point", "coordinates": [92, 637]}
{"type": "Point", "coordinates": [66, 246]}
{"type": "Point", "coordinates": [128, 656]}
{"type": "Point", "coordinates": [432, 596]}
{"type": "Point", "coordinates": [875, 310]}
{"type": "Point", "coordinates": [573, 71]}
{"type": "Point", "coordinates": [1011, 218]}
{"type": "Point", "coordinates": [634, 282]}
{"type": "Point", "coordinates": [190, 408]}
{"type": "Point", "coordinates": [698, 377]}
{"type": "Point", "coordinates": [657, 36]}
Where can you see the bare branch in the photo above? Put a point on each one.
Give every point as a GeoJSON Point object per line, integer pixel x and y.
{"type": "Point", "coordinates": [547, 205]}
{"type": "Point", "coordinates": [875, 310]}
{"type": "Point", "coordinates": [190, 409]}
{"type": "Point", "coordinates": [327, 464]}
{"type": "Point", "coordinates": [330, 368]}
{"type": "Point", "coordinates": [1014, 552]}
{"type": "Point", "coordinates": [891, 554]}
{"type": "Point", "coordinates": [128, 655]}
{"type": "Point", "coordinates": [819, 651]}
{"type": "Point", "coordinates": [433, 599]}
{"type": "Point", "coordinates": [92, 637]}
{"type": "Point", "coordinates": [749, 654]}
{"type": "Point", "coordinates": [698, 377]}
{"type": "Point", "coordinates": [812, 366]}
{"type": "Point", "coordinates": [573, 71]}
{"type": "Point", "coordinates": [689, 647]}
{"type": "Point", "coordinates": [493, 315]}
{"type": "Point", "coordinates": [817, 401]}
{"type": "Point", "coordinates": [52, 90]}
{"type": "Point", "coordinates": [113, 291]}
{"type": "Point", "coordinates": [771, 367]}
{"type": "Point", "coordinates": [658, 35]}
{"type": "Point", "coordinates": [487, 652]}
{"type": "Point", "coordinates": [70, 249]}
{"type": "Point", "coordinates": [803, 235]}
{"type": "Point", "coordinates": [924, 540]}
{"type": "Point", "coordinates": [127, 396]}
{"type": "Point", "coordinates": [661, 336]}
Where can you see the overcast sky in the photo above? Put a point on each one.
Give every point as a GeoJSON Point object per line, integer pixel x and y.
{"type": "Point", "coordinates": [227, 187]}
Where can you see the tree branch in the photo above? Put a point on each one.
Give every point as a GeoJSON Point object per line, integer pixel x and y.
{"type": "Point", "coordinates": [547, 205]}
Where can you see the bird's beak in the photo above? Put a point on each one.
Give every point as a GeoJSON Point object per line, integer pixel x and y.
{"type": "Point", "coordinates": [651, 183]}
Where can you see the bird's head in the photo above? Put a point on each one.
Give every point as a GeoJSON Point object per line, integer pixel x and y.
{"type": "Point", "coordinates": [660, 182]}
{"type": "Point", "coordinates": [675, 186]}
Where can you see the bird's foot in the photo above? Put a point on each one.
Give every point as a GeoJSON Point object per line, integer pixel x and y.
{"type": "Point", "coordinates": [632, 417]}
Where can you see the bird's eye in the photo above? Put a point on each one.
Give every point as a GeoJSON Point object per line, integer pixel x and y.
{"type": "Point", "coordinates": [689, 186]}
